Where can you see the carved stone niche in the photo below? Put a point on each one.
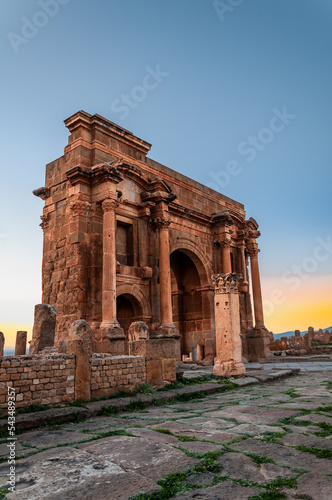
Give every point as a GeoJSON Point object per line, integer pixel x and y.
{"type": "Point", "coordinates": [145, 272]}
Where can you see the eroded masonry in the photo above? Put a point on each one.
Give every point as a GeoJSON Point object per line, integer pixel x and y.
{"type": "Point", "coordinates": [131, 247]}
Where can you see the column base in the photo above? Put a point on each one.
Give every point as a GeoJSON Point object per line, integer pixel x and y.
{"type": "Point", "coordinates": [111, 330]}
{"type": "Point", "coordinates": [228, 368]}
{"type": "Point", "coordinates": [166, 330]}
{"type": "Point", "coordinates": [258, 345]}
{"type": "Point", "coordinates": [109, 338]}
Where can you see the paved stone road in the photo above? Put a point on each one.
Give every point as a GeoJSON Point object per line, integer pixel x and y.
{"type": "Point", "coordinates": [268, 441]}
{"type": "Point", "coordinates": [311, 366]}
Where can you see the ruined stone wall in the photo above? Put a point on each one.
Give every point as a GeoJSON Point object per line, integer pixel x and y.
{"type": "Point", "coordinates": [112, 374]}
{"type": "Point", "coordinates": [50, 379]}
{"type": "Point", "coordinates": [298, 343]}
{"type": "Point", "coordinates": [38, 379]}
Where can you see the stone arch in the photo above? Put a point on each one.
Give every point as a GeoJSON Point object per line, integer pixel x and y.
{"type": "Point", "coordinates": [134, 293]}
{"type": "Point", "coordinates": [200, 259]}
{"type": "Point", "coordinates": [191, 297]}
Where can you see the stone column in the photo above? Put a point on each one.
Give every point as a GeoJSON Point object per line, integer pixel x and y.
{"type": "Point", "coordinates": [167, 327]}
{"type": "Point", "coordinates": [227, 326]}
{"type": "Point", "coordinates": [243, 262]}
{"type": "Point", "coordinates": [21, 344]}
{"type": "Point", "coordinates": [226, 256]}
{"type": "Point", "coordinates": [258, 339]}
{"type": "Point", "coordinates": [256, 287]}
{"type": "Point", "coordinates": [110, 327]}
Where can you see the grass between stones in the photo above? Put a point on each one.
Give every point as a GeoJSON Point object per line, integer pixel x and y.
{"type": "Point", "coordinates": [318, 452]}
{"type": "Point", "coordinates": [274, 489]}
{"type": "Point", "coordinates": [326, 429]}
{"type": "Point", "coordinates": [176, 483]}
{"type": "Point", "coordinates": [144, 388]}
{"type": "Point", "coordinates": [99, 435]}
{"type": "Point", "coordinates": [178, 398]}
{"type": "Point", "coordinates": [292, 393]}
{"type": "Point", "coordinates": [193, 438]}
{"type": "Point", "coordinates": [3, 492]}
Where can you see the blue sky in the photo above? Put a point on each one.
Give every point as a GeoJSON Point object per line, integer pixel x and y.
{"type": "Point", "coordinates": [224, 78]}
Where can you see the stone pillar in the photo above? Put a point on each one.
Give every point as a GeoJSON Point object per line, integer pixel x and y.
{"type": "Point", "coordinates": [256, 287]}
{"type": "Point", "coordinates": [258, 339]}
{"type": "Point", "coordinates": [226, 256]}
{"type": "Point", "coordinates": [21, 344]}
{"type": "Point", "coordinates": [307, 342]}
{"type": "Point", "coordinates": [227, 326]}
{"type": "Point", "coordinates": [110, 327]}
{"type": "Point", "coordinates": [248, 298]}
{"type": "Point", "coordinates": [79, 344]}
{"type": "Point", "coordinates": [243, 263]}
{"type": "Point", "coordinates": [326, 337]}
{"type": "Point", "coordinates": [43, 332]}
{"type": "Point", "coordinates": [167, 327]}
{"type": "Point", "coordinates": [2, 344]}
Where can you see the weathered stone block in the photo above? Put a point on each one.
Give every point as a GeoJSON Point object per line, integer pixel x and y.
{"type": "Point", "coordinates": [44, 328]}
{"type": "Point", "coordinates": [138, 330]}
{"type": "Point", "coordinates": [21, 343]}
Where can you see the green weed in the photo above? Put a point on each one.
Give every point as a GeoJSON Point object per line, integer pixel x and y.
{"type": "Point", "coordinates": [318, 452]}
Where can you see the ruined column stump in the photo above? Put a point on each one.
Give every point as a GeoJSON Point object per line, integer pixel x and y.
{"type": "Point", "coordinates": [227, 326]}
{"type": "Point", "coordinates": [21, 343]}
{"type": "Point", "coordinates": [109, 341]}
{"type": "Point", "coordinates": [307, 342]}
{"type": "Point", "coordinates": [2, 344]}
{"type": "Point", "coordinates": [43, 332]}
{"type": "Point", "coordinates": [79, 343]}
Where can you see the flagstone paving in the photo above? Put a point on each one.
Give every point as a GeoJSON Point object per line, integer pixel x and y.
{"type": "Point", "coordinates": [260, 442]}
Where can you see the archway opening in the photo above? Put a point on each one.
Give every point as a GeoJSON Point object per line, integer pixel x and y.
{"type": "Point", "coordinates": [128, 310]}
{"type": "Point", "coordinates": [187, 302]}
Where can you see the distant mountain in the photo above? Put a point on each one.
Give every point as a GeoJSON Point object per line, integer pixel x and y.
{"type": "Point", "coordinates": [9, 351]}
{"type": "Point", "coordinates": [292, 333]}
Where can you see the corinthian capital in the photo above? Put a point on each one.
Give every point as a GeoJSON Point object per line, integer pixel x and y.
{"type": "Point", "coordinates": [161, 222]}
{"type": "Point", "coordinates": [109, 205]}
{"type": "Point", "coordinates": [225, 243]}
{"type": "Point", "coordinates": [253, 251]}
{"type": "Point", "coordinates": [226, 283]}
{"type": "Point", "coordinates": [79, 207]}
